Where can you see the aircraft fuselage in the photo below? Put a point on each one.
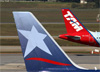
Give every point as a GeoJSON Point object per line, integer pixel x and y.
{"type": "Point", "coordinates": [88, 38]}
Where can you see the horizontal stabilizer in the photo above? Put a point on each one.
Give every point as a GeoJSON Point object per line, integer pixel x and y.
{"type": "Point", "coordinates": [74, 37]}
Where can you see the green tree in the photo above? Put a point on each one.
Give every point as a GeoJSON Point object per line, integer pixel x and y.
{"type": "Point", "coordinates": [97, 2]}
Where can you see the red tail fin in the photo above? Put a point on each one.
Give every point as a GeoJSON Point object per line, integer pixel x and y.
{"type": "Point", "coordinates": [71, 22]}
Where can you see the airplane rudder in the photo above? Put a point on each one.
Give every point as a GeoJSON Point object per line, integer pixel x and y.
{"type": "Point", "coordinates": [67, 21]}
{"type": "Point", "coordinates": [71, 22]}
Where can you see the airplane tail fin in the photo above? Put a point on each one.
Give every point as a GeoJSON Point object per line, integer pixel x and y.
{"type": "Point", "coordinates": [40, 51]}
{"type": "Point", "coordinates": [71, 22]}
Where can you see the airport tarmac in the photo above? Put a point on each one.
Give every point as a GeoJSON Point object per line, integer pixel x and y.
{"type": "Point", "coordinates": [65, 48]}
{"type": "Point", "coordinates": [13, 62]}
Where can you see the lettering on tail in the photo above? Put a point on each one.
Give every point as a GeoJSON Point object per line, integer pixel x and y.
{"type": "Point", "coordinates": [75, 24]}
